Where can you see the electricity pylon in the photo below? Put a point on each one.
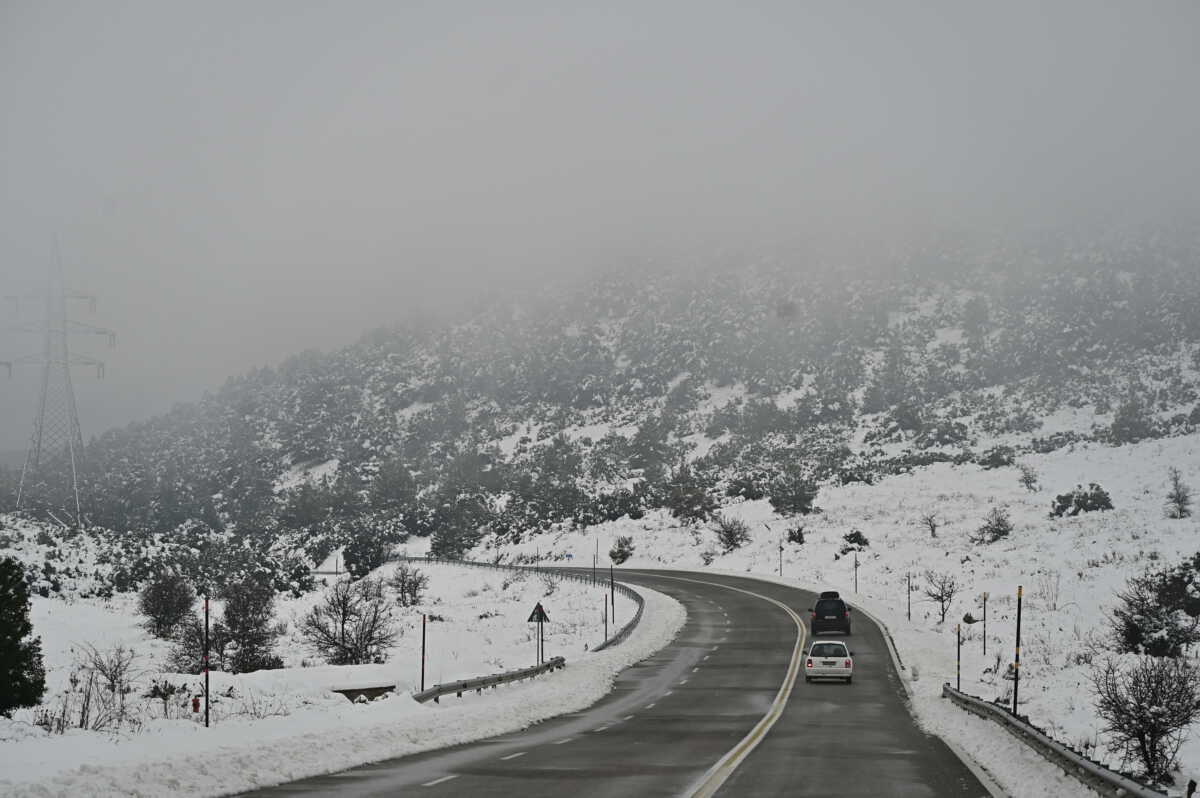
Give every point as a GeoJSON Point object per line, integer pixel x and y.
{"type": "Point", "coordinates": [50, 476]}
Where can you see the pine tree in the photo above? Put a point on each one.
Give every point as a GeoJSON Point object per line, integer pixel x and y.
{"type": "Point", "coordinates": [1179, 497]}
{"type": "Point", "coordinates": [21, 671]}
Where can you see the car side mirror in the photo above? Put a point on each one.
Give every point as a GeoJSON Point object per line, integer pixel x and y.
{"type": "Point", "coordinates": [810, 609]}
{"type": "Point", "coordinates": [848, 609]}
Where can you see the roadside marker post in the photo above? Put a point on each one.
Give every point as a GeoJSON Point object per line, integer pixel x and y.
{"type": "Point", "coordinates": [958, 656]}
{"type": "Point", "coordinates": [206, 662]}
{"type": "Point", "coordinates": [985, 598]}
{"type": "Point", "coordinates": [1017, 662]}
{"type": "Point", "coordinates": [909, 576]}
{"type": "Point", "coordinates": [423, 617]}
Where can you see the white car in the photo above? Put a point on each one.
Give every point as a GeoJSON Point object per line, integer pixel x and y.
{"type": "Point", "coordinates": [829, 659]}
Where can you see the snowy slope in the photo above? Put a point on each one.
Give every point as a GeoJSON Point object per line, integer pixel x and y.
{"type": "Point", "coordinates": [1070, 568]}
{"type": "Point", "coordinates": [262, 719]}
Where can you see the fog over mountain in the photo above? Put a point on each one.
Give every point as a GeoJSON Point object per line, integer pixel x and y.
{"type": "Point", "coordinates": [242, 182]}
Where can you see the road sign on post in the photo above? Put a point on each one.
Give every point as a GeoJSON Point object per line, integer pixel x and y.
{"type": "Point", "coordinates": [539, 617]}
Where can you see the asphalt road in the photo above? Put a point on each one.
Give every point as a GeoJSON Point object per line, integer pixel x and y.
{"type": "Point", "coordinates": [693, 720]}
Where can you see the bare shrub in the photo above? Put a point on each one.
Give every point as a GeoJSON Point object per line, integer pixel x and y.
{"type": "Point", "coordinates": [1029, 477]}
{"type": "Point", "coordinates": [941, 589]}
{"type": "Point", "coordinates": [732, 533]}
{"type": "Point", "coordinates": [931, 522]}
{"type": "Point", "coordinates": [409, 583]}
{"type": "Point", "coordinates": [1146, 708]}
{"type": "Point", "coordinates": [1048, 588]}
{"type": "Point", "coordinates": [353, 625]}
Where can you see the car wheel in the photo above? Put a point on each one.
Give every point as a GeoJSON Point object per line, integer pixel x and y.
{"type": "Point", "coordinates": [849, 679]}
{"type": "Point", "coordinates": [808, 679]}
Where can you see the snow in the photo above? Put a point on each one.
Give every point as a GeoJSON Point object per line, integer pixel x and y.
{"type": "Point", "coordinates": [1071, 570]}
{"type": "Point", "coordinates": [271, 715]}
{"type": "Point", "coordinates": [299, 474]}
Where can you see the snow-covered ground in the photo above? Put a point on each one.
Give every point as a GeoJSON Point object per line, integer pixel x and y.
{"type": "Point", "coordinates": [264, 718]}
{"type": "Point", "coordinates": [1071, 570]}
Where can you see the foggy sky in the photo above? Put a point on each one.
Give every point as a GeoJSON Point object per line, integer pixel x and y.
{"type": "Point", "coordinates": [241, 181]}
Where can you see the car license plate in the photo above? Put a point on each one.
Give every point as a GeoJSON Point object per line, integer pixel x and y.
{"type": "Point", "coordinates": [831, 617]}
{"type": "Point", "coordinates": [828, 663]}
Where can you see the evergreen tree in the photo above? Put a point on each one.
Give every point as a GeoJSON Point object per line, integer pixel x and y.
{"type": "Point", "coordinates": [165, 601]}
{"type": "Point", "coordinates": [21, 671]}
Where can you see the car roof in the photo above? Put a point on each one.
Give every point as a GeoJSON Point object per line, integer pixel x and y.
{"type": "Point", "coordinates": [823, 642]}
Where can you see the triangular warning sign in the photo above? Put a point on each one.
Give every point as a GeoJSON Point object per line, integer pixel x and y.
{"type": "Point", "coordinates": [538, 615]}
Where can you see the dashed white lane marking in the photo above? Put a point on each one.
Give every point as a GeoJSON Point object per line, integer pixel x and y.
{"type": "Point", "coordinates": [695, 669]}
{"type": "Point", "coordinates": [684, 681]}
{"type": "Point", "coordinates": [714, 648]}
{"type": "Point", "coordinates": [650, 706]}
{"type": "Point", "coordinates": [439, 781]}
{"type": "Point", "coordinates": [668, 692]}
{"type": "Point", "coordinates": [562, 741]}
{"type": "Point", "coordinates": [514, 756]}
{"type": "Point", "coordinates": [627, 717]}
{"type": "Point", "coordinates": [706, 656]}
{"type": "Point", "coordinates": [602, 728]}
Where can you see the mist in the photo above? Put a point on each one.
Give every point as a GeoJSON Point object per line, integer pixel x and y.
{"type": "Point", "coordinates": [241, 182]}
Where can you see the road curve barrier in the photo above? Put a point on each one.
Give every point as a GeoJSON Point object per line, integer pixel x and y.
{"type": "Point", "coordinates": [480, 683]}
{"type": "Point", "coordinates": [577, 574]}
{"type": "Point", "coordinates": [1087, 771]}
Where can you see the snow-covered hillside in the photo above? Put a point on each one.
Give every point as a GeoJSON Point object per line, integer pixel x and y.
{"type": "Point", "coordinates": [1070, 568]}
{"type": "Point", "coordinates": [481, 627]}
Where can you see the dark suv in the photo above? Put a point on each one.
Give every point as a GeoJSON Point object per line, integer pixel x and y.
{"type": "Point", "coordinates": [830, 615]}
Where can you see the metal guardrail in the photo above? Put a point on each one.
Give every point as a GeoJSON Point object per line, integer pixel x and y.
{"type": "Point", "coordinates": [582, 575]}
{"type": "Point", "coordinates": [1088, 771]}
{"type": "Point", "coordinates": [480, 683]}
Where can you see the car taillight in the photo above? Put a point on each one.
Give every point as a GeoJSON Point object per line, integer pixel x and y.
{"type": "Point", "coordinates": [848, 663]}
{"type": "Point", "coordinates": [810, 663]}
{"type": "Point", "coordinates": [846, 614]}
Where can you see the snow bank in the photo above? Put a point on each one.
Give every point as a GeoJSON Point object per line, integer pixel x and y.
{"type": "Point", "coordinates": [320, 734]}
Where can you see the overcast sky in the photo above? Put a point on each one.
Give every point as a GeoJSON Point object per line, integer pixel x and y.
{"type": "Point", "coordinates": [239, 181]}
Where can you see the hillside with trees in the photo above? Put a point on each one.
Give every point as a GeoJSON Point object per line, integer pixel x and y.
{"type": "Point", "coordinates": [680, 388]}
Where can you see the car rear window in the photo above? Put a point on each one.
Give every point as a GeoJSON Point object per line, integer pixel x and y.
{"type": "Point", "coordinates": [830, 607]}
{"type": "Point", "coordinates": [828, 650]}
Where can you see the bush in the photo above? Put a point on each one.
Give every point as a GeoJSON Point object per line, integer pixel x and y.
{"type": "Point", "coordinates": [622, 550]}
{"type": "Point", "coordinates": [1147, 708]}
{"type": "Point", "coordinates": [687, 498]}
{"type": "Point", "coordinates": [854, 540]}
{"type": "Point", "coordinates": [165, 601]}
{"type": "Point", "coordinates": [792, 493]}
{"type": "Point", "coordinates": [1131, 423]}
{"type": "Point", "coordinates": [732, 533]}
{"type": "Point", "coordinates": [353, 625]}
{"type": "Point", "coordinates": [409, 583]}
{"type": "Point", "coordinates": [1179, 497]}
{"type": "Point", "coordinates": [21, 670]}
{"type": "Point", "coordinates": [996, 526]}
{"type": "Point", "coordinates": [998, 457]}
{"type": "Point", "coordinates": [248, 612]}
{"type": "Point", "coordinates": [1028, 478]}
{"type": "Point", "coordinates": [1081, 500]}
{"type": "Point", "coordinates": [1158, 613]}
{"type": "Point", "coordinates": [747, 486]}
{"type": "Point", "coordinates": [796, 535]}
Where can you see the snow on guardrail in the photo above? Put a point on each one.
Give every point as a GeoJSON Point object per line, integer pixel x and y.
{"type": "Point", "coordinates": [1087, 771]}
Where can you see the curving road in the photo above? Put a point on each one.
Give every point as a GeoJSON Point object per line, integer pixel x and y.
{"type": "Point", "coordinates": [720, 711]}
